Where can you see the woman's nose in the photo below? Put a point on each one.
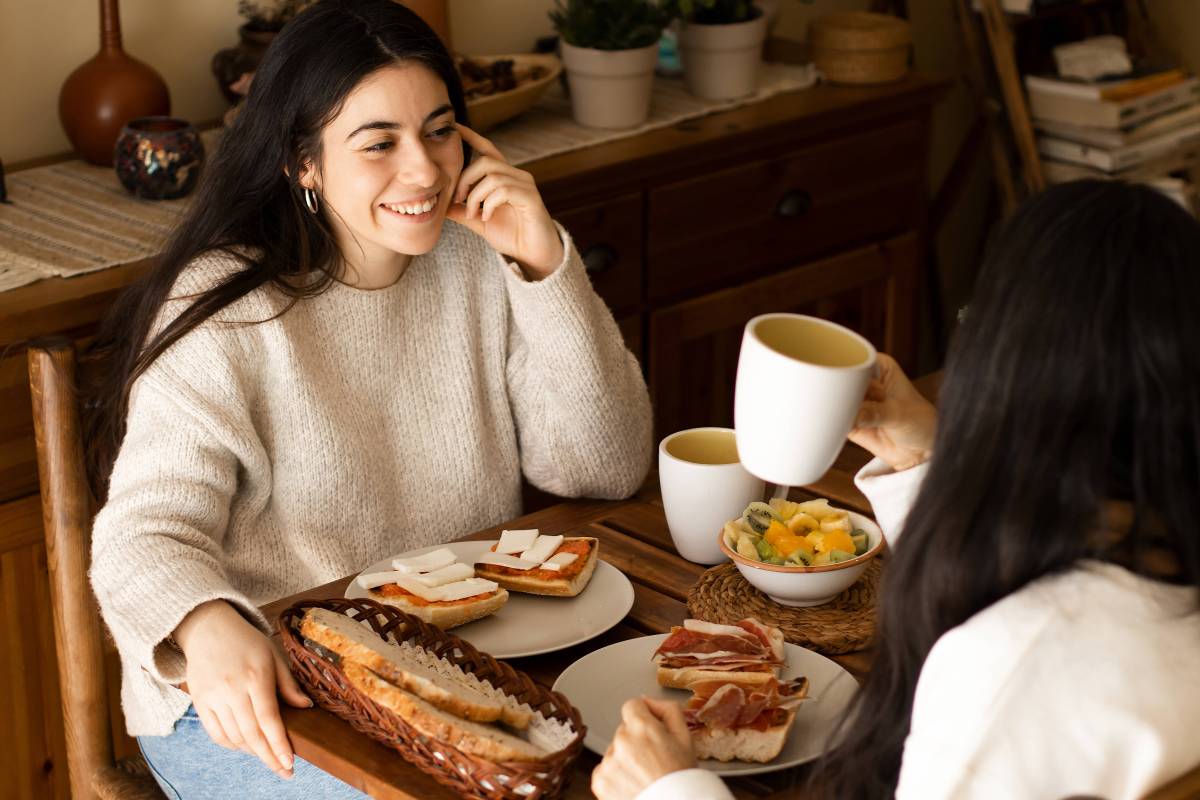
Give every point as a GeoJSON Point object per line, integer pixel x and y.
{"type": "Point", "coordinates": [416, 167]}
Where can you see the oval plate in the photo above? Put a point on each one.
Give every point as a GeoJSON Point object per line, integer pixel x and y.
{"type": "Point", "coordinates": [600, 682]}
{"type": "Point", "coordinates": [529, 624]}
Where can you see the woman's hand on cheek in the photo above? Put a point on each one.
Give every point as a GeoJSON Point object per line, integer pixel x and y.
{"type": "Point", "coordinates": [502, 204]}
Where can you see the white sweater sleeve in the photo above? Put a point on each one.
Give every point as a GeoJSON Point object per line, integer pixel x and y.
{"type": "Point", "coordinates": [157, 542]}
{"type": "Point", "coordinates": [580, 403]}
{"type": "Point", "coordinates": [891, 494]}
{"type": "Point", "coordinates": [692, 784]}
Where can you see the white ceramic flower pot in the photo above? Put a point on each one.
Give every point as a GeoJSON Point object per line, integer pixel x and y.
{"type": "Point", "coordinates": [721, 62]}
{"type": "Point", "coordinates": [610, 88]}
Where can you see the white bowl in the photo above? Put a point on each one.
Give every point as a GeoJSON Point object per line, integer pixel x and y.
{"type": "Point", "coordinates": [808, 586]}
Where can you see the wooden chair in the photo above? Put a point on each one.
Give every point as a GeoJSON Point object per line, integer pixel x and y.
{"type": "Point", "coordinates": [67, 505]}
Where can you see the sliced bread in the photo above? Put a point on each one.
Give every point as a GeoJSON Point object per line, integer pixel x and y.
{"type": "Point", "coordinates": [442, 688]}
{"type": "Point", "coordinates": [477, 739]}
{"type": "Point", "coordinates": [742, 744]}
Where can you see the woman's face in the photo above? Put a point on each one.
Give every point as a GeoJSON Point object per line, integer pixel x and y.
{"type": "Point", "coordinates": [390, 162]}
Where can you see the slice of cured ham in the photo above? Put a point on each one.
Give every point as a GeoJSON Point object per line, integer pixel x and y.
{"type": "Point", "coordinates": [719, 705]}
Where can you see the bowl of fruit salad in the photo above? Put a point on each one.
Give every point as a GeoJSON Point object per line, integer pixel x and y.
{"type": "Point", "coordinates": [801, 554]}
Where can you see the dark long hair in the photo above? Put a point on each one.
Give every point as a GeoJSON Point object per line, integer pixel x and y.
{"type": "Point", "coordinates": [249, 202]}
{"type": "Point", "coordinates": [1074, 380]}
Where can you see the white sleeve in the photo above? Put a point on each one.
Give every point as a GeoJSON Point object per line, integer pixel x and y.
{"type": "Point", "coordinates": [891, 493]}
{"type": "Point", "coordinates": [693, 784]}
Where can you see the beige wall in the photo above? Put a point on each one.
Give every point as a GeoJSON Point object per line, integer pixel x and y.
{"type": "Point", "coordinates": [42, 41]}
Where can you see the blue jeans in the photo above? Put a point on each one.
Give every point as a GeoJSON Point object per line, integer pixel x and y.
{"type": "Point", "coordinates": [189, 766]}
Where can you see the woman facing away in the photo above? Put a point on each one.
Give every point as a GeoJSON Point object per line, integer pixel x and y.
{"type": "Point", "coordinates": [1038, 633]}
{"type": "Point", "coordinates": [322, 372]}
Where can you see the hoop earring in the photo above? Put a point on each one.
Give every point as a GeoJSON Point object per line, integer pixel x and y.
{"type": "Point", "coordinates": [310, 200]}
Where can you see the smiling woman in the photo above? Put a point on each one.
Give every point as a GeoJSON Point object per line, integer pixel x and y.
{"type": "Point", "coordinates": [368, 315]}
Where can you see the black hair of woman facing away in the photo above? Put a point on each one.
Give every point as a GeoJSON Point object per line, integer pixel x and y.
{"type": "Point", "coordinates": [251, 201]}
{"type": "Point", "coordinates": [1071, 399]}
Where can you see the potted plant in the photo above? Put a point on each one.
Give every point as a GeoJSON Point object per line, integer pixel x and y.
{"type": "Point", "coordinates": [264, 19]}
{"type": "Point", "coordinates": [720, 44]}
{"type": "Point", "coordinates": [609, 49]}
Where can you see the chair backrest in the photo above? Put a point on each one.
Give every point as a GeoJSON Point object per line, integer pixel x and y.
{"type": "Point", "coordinates": [67, 518]}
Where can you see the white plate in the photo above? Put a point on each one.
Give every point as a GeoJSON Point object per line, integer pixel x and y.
{"type": "Point", "coordinates": [529, 625]}
{"type": "Point", "coordinates": [600, 682]}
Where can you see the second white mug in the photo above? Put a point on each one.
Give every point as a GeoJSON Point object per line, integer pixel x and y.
{"type": "Point", "coordinates": [800, 382]}
{"type": "Point", "coordinates": [703, 487]}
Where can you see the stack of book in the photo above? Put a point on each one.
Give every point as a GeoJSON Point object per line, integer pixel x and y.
{"type": "Point", "coordinates": [1134, 128]}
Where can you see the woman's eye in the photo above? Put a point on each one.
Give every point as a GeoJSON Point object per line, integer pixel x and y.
{"type": "Point", "coordinates": [442, 133]}
{"type": "Point", "coordinates": [379, 147]}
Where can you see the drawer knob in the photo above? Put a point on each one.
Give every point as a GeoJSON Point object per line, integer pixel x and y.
{"type": "Point", "coordinates": [793, 204]}
{"type": "Point", "coordinates": [599, 258]}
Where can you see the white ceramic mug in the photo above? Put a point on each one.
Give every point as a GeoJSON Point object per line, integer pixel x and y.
{"type": "Point", "coordinates": [703, 487]}
{"type": "Point", "coordinates": [800, 382]}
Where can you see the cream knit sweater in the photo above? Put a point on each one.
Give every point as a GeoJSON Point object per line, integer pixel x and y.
{"type": "Point", "coordinates": [263, 459]}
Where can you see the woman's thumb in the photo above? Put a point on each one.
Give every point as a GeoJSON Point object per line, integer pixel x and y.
{"type": "Point", "coordinates": [289, 689]}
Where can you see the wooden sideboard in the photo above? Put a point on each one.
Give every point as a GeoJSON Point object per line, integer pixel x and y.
{"type": "Point", "coordinates": [813, 201]}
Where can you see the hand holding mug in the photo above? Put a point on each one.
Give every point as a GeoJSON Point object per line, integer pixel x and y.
{"type": "Point", "coordinates": [895, 422]}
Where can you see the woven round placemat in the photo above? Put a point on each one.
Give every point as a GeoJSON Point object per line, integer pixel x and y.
{"type": "Point", "coordinates": [843, 625]}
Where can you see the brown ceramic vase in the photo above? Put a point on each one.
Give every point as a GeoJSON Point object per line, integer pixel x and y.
{"type": "Point", "coordinates": [99, 97]}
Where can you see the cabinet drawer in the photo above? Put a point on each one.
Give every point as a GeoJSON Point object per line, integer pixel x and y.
{"type": "Point", "coordinates": [743, 221]}
{"type": "Point", "coordinates": [609, 237]}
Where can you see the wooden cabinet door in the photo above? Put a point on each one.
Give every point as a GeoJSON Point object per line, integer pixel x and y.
{"type": "Point", "coordinates": [694, 345]}
{"type": "Point", "coordinates": [608, 235]}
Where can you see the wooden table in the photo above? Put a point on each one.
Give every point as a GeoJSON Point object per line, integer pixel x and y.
{"type": "Point", "coordinates": [634, 538]}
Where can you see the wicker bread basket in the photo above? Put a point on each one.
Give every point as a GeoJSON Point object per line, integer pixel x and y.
{"type": "Point", "coordinates": [465, 774]}
{"type": "Point", "coordinates": [860, 47]}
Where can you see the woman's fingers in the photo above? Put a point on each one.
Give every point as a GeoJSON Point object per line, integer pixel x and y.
{"type": "Point", "coordinates": [671, 715]}
{"type": "Point", "coordinates": [289, 688]}
{"type": "Point", "coordinates": [475, 174]}
{"type": "Point", "coordinates": [635, 714]}
{"type": "Point", "coordinates": [480, 192]}
{"type": "Point", "coordinates": [214, 728]}
{"type": "Point", "coordinates": [255, 741]}
{"type": "Point", "coordinates": [497, 197]}
{"type": "Point", "coordinates": [228, 722]}
{"type": "Point", "coordinates": [870, 415]}
{"type": "Point", "coordinates": [266, 710]}
{"type": "Point", "coordinates": [479, 143]}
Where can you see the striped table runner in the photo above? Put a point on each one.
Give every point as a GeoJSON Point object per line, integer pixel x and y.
{"type": "Point", "coordinates": [73, 218]}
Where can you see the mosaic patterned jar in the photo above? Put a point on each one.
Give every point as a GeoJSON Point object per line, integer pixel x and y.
{"type": "Point", "coordinates": [159, 158]}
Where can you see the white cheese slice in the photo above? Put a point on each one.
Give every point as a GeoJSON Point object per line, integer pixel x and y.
{"type": "Point", "coordinates": [450, 574]}
{"type": "Point", "coordinates": [505, 560]}
{"type": "Point", "coordinates": [467, 588]}
{"type": "Point", "coordinates": [561, 560]}
{"type": "Point", "coordinates": [550, 565]}
{"type": "Point", "coordinates": [513, 542]}
{"type": "Point", "coordinates": [373, 579]}
{"type": "Point", "coordinates": [425, 563]}
{"type": "Point", "coordinates": [450, 591]}
{"type": "Point", "coordinates": [542, 549]}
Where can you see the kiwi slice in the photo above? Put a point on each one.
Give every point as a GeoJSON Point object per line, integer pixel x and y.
{"type": "Point", "coordinates": [763, 509]}
{"type": "Point", "coordinates": [758, 522]}
{"type": "Point", "coordinates": [838, 556]}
